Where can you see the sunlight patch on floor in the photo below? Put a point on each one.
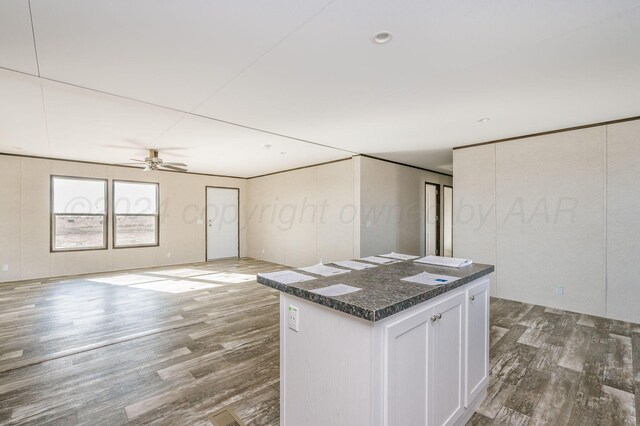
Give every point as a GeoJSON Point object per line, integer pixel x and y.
{"type": "Point", "coordinates": [127, 279]}
{"type": "Point", "coordinates": [179, 272]}
{"type": "Point", "coordinates": [232, 278]}
{"type": "Point", "coordinates": [175, 286]}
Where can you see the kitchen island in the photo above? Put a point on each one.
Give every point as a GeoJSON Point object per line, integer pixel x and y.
{"type": "Point", "coordinates": [392, 353]}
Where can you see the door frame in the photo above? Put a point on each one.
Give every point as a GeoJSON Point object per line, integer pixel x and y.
{"type": "Point", "coordinates": [206, 216]}
{"type": "Point", "coordinates": [448, 186]}
{"type": "Point", "coordinates": [438, 194]}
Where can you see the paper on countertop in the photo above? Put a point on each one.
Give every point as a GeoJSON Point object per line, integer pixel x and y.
{"type": "Point", "coordinates": [335, 290]}
{"type": "Point", "coordinates": [286, 277]}
{"type": "Point", "coordinates": [352, 264]}
{"type": "Point", "coordinates": [325, 271]}
{"type": "Point", "coordinates": [400, 256]}
{"type": "Point", "coordinates": [452, 262]}
{"type": "Point", "coordinates": [429, 279]}
{"type": "Point", "coordinates": [377, 259]}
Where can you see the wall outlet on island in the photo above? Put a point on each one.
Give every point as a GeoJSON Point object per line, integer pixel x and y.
{"type": "Point", "coordinates": [293, 318]}
{"type": "Point", "coordinates": [559, 290]}
{"type": "Point", "coordinates": [5, 268]}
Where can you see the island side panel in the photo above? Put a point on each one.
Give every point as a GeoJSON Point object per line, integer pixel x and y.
{"type": "Point", "coordinates": [325, 367]}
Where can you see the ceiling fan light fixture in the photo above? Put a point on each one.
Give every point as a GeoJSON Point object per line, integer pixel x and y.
{"type": "Point", "coordinates": [383, 37]}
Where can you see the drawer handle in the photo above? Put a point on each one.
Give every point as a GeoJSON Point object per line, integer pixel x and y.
{"type": "Point", "coordinates": [473, 298]}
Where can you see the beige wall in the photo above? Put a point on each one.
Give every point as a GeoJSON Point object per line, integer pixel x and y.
{"type": "Point", "coordinates": [393, 207]}
{"type": "Point", "coordinates": [474, 214]}
{"type": "Point", "coordinates": [25, 224]}
{"type": "Point", "coordinates": [560, 212]}
{"type": "Point", "coordinates": [300, 217]}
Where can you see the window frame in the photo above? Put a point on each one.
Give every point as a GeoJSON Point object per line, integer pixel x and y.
{"type": "Point", "coordinates": [115, 215]}
{"type": "Point", "coordinates": [53, 215]}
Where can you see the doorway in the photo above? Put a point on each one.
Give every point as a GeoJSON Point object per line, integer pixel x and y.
{"type": "Point", "coordinates": [223, 222]}
{"type": "Point", "coordinates": [432, 219]}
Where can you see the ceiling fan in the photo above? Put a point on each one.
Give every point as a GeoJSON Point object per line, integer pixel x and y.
{"type": "Point", "coordinates": [153, 162]}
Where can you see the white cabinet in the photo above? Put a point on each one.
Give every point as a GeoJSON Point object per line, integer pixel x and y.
{"type": "Point", "coordinates": [446, 361]}
{"type": "Point", "coordinates": [425, 365]}
{"type": "Point", "coordinates": [477, 347]}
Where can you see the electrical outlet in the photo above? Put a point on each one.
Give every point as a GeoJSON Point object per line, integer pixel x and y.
{"type": "Point", "coordinates": [5, 268]}
{"type": "Point", "coordinates": [293, 318]}
{"type": "Point", "coordinates": [559, 290]}
{"type": "Point", "coordinates": [169, 254]}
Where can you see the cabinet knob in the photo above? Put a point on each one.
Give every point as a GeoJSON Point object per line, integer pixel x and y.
{"type": "Point", "coordinates": [434, 318]}
{"type": "Point", "coordinates": [439, 316]}
{"type": "Point", "coordinates": [473, 298]}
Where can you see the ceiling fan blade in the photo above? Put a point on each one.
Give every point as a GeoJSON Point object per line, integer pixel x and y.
{"type": "Point", "coordinates": [135, 159]}
{"type": "Point", "coordinates": [129, 164]}
{"type": "Point", "coordinates": [174, 164]}
{"type": "Point", "coordinates": [177, 169]}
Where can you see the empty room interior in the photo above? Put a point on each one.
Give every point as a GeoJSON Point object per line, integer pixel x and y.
{"type": "Point", "coordinates": [319, 212]}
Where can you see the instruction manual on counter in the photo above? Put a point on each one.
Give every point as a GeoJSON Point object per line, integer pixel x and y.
{"type": "Point", "coordinates": [286, 277]}
{"type": "Point", "coordinates": [324, 270]}
{"type": "Point", "coordinates": [429, 279]}
{"type": "Point", "coordinates": [400, 256]}
{"type": "Point", "coordinates": [452, 262]}
{"type": "Point", "coordinates": [378, 260]}
{"type": "Point", "coordinates": [352, 264]}
{"type": "Point", "coordinates": [335, 290]}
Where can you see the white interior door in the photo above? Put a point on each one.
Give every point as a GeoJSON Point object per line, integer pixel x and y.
{"type": "Point", "coordinates": [431, 219]}
{"type": "Point", "coordinates": [222, 223]}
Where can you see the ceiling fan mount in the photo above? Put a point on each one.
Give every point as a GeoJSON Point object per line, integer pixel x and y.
{"type": "Point", "coordinates": [153, 162]}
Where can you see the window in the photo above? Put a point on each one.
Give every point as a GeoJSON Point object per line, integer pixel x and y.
{"type": "Point", "coordinates": [135, 214]}
{"type": "Point", "coordinates": [78, 213]}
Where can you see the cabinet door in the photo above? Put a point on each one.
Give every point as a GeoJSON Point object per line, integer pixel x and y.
{"type": "Point", "coordinates": [406, 372]}
{"type": "Point", "coordinates": [446, 361]}
{"type": "Point", "coordinates": [477, 340]}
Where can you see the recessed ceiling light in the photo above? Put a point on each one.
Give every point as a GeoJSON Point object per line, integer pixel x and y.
{"type": "Point", "coordinates": [283, 152]}
{"type": "Point", "coordinates": [267, 146]}
{"type": "Point", "coordinates": [383, 37]}
{"type": "Point", "coordinates": [483, 120]}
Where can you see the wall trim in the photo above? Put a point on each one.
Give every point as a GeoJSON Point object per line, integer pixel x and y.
{"type": "Point", "coordinates": [405, 165]}
{"type": "Point", "coordinates": [302, 167]}
{"type": "Point", "coordinates": [37, 157]}
{"type": "Point", "coordinates": [550, 132]}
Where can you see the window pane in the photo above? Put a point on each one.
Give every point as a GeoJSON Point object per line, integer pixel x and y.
{"type": "Point", "coordinates": [78, 196]}
{"type": "Point", "coordinates": [79, 232]}
{"type": "Point", "coordinates": [135, 230]}
{"type": "Point", "coordinates": [135, 198]}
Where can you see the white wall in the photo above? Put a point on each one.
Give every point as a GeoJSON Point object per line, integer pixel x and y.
{"type": "Point", "coordinates": [393, 207]}
{"type": "Point", "coordinates": [300, 217]}
{"type": "Point", "coordinates": [25, 223]}
{"type": "Point", "coordinates": [561, 213]}
{"type": "Point", "coordinates": [623, 224]}
{"type": "Point", "coordinates": [474, 214]}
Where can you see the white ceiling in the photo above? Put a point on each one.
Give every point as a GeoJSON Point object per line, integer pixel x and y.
{"type": "Point", "coordinates": [218, 80]}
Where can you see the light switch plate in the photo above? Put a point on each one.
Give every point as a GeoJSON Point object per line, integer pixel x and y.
{"type": "Point", "coordinates": [294, 323]}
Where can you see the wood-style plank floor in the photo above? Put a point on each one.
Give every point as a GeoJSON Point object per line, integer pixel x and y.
{"type": "Point", "coordinates": [171, 345]}
{"type": "Point", "coordinates": [552, 367]}
{"type": "Point", "coordinates": [133, 348]}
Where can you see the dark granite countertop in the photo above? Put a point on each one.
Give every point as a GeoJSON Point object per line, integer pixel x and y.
{"type": "Point", "coordinates": [383, 293]}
